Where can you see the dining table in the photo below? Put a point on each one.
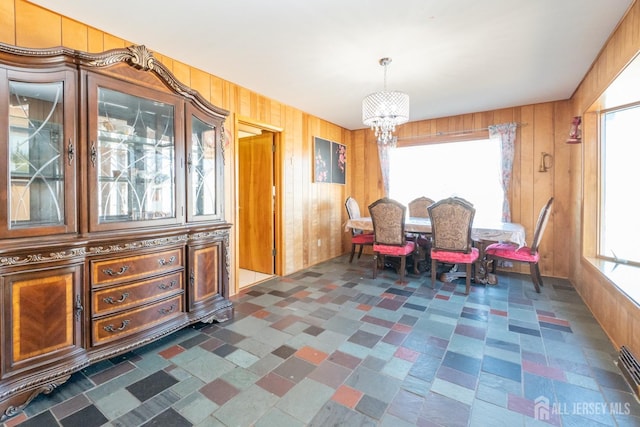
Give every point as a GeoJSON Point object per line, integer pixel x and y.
{"type": "Point", "coordinates": [482, 233]}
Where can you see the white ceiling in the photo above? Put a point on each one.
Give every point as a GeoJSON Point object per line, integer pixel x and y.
{"type": "Point", "coordinates": [321, 56]}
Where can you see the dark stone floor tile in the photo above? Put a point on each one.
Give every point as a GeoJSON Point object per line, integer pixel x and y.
{"type": "Point", "coordinates": [294, 369]}
{"type": "Point", "coordinates": [344, 359]}
{"type": "Point", "coordinates": [371, 407]}
{"type": "Point", "coordinates": [224, 350]}
{"type": "Point", "coordinates": [284, 351]}
{"type": "Point", "coordinates": [522, 330]}
{"type": "Point", "coordinates": [402, 292]}
{"type": "Point", "coordinates": [462, 363]}
{"type": "Point", "coordinates": [45, 419]}
{"type": "Point", "coordinates": [390, 304]}
{"type": "Point", "coordinates": [219, 391]}
{"type": "Point", "coordinates": [503, 345]}
{"type": "Point", "coordinates": [377, 321]}
{"type": "Point", "coordinates": [414, 306]}
{"type": "Point", "coordinates": [313, 330]}
{"type": "Point", "coordinates": [194, 341]}
{"type": "Point", "coordinates": [557, 327]}
{"type": "Point", "coordinates": [151, 385]}
{"type": "Point", "coordinates": [457, 377]}
{"type": "Point", "coordinates": [363, 338]}
{"type": "Point", "coordinates": [502, 368]}
{"type": "Point", "coordinates": [228, 336]}
{"type": "Point", "coordinates": [88, 416]}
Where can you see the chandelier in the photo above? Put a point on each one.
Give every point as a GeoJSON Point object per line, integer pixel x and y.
{"type": "Point", "coordinates": [383, 111]}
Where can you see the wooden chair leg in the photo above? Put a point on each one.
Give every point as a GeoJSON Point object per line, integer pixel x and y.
{"type": "Point", "coordinates": [433, 273]}
{"type": "Point", "coordinates": [353, 251]}
{"type": "Point", "coordinates": [403, 266]}
{"type": "Point", "coordinates": [468, 281]}
{"type": "Point", "coordinates": [375, 265]}
{"type": "Point", "coordinates": [360, 252]}
{"type": "Point", "coordinates": [535, 276]}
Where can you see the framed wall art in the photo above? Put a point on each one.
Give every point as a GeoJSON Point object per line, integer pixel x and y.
{"type": "Point", "coordinates": [330, 161]}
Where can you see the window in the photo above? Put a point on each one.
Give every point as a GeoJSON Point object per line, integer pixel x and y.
{"type": "Point", "coordinates": [468, 169]}
{"type": "Point", "coordinates": [619, 226]}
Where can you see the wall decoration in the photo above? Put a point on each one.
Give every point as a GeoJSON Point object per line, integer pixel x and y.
{"type": "Point", "coordinates": [330, 161]}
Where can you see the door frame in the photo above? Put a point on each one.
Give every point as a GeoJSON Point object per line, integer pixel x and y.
{"type": "Point", "coordinates": [277, 182]}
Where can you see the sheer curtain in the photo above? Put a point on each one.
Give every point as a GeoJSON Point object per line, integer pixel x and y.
{"type": "Point", "coordinates": [506, 133]}
{"type": "Point", "coordinates": [383, 154]}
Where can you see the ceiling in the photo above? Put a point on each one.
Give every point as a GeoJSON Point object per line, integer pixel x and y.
{"type": "Point", "coordinates": [321, 56]}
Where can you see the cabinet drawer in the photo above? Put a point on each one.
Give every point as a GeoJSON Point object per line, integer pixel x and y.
{"type": "Point", "coordinates": [129, 322]}
{"type": "Point", "coordinates": [109, 300]}
{"type": "Point", "coordinates": [135, 267]}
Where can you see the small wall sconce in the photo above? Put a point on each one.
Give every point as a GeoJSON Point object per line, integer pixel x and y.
{"type": "Point", "coordinates": [546, 161]}
{"type": "Point", "coordinates": [575, 133]}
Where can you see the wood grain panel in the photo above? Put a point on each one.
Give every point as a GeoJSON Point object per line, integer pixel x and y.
{"type": "Point", "coordinates": [205, 273]}
{"type": "Point", "coordinates": [42, 319]}
{"type": "Point", "coordinates": [37, 27]}
{"type": "Point", "coordinates": [7, 22]}
{"type": "Point", "coordinates": [95, 40]}
{"type": "Point", "coordinates": [74, 34]}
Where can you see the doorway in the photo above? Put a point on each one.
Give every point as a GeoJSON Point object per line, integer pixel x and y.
{"type": "Point", "coordinates": [256, 204]}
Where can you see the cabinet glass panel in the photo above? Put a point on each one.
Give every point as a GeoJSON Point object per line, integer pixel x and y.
{"type": "Point", "coordinates": [135, 158]}
{"type": "Point", "coordinates": [36, 160]}
{"type": "Point", "coordinates": [202, 162]}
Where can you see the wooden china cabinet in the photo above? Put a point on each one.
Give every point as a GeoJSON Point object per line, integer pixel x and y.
{"type": "Point", "coordinates": [112, 229]}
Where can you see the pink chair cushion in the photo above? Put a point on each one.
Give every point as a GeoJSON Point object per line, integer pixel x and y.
{"type": "Point", "coordinates": [455, 257]}
{"type": "Point", "coordinates": [395, 250]}
{"type": "Point", "coordinates": [509, 251]}
{"type": "Point", "coordinates": [362, 239]}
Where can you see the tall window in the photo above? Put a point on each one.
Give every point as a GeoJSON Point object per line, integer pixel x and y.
{"type": "Point", "coordinates": [619, 225]}
{"type": "Point", "coordinates": [468, 169]}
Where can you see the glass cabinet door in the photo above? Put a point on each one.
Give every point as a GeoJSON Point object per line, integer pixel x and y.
{"type": "Point", "coordinates": [40, 155]}
{"type": "Point", "coordinates": [203, 171]}
{"type": "Point", "coordinates": [133, 159]}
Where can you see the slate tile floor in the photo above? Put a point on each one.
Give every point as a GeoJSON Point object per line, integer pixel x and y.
{"type": "Point", "coordinates": [330, 346]}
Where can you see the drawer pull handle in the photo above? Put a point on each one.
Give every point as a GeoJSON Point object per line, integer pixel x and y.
{"type": "Point", "coordinates": [110, 272]}
{"type": "Point", "coordinates": [169, 286]}
{"type": "Point", "coordinates": [168, 310]}
{"type": "Point", "coordinates": [110, 328]}
{"type": "Point", "coordinates": [110, 300]}
{"type": "Point", "coordinates": [164, 262]}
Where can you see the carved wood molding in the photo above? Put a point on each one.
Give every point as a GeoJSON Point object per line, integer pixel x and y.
{"type": "Point", "coordinates": [129, 246]}
{"type": "Point", "coordinates": [138, 56]}
{"type": "Point", "coordinates": [38, 257]}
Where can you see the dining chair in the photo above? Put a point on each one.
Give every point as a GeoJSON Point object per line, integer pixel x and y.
{"type": "Point", "coordinates": [451, 222]}
{"type": "Point", "coordinates": [418, 208]}
{"type": "Point", "coordinates": [524, 254]}
{"type": "Point", "coordinates": [388, 217]}
{"type": "Point", "coordinates": [358, 237]}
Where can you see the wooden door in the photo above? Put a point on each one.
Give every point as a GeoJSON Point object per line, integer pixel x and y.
{"type": "Point", "coordinates": [255, 203]}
